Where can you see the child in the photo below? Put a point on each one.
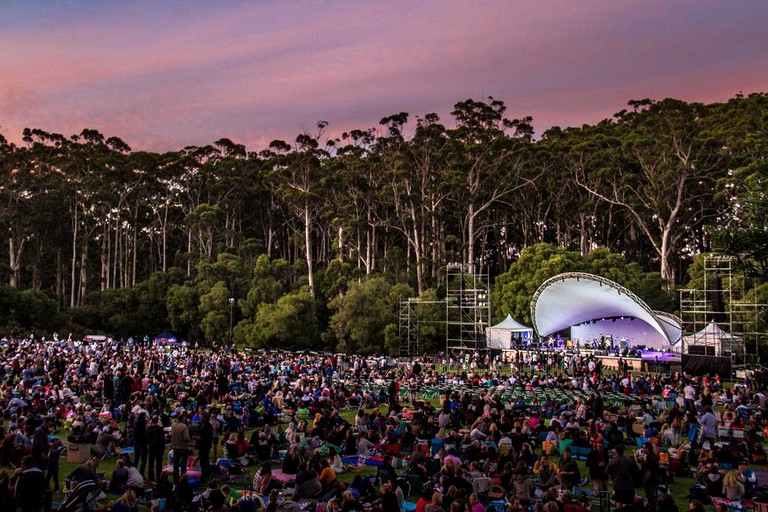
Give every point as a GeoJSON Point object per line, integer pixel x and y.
{"type": "Point", "coordinates": [54, 454]}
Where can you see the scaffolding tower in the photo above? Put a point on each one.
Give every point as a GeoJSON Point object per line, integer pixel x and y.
{"type": "Point", "coordinates": [409, 328]}
{"type": "Point", "coordinates": [723, 300]}
{"type": "Point", "coordinates": [467, 308]}
{"type": "Point", "coordinates": [410, 325]}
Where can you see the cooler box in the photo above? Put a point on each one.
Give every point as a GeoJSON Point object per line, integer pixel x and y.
{"type": "Point", "coordinates": [78, 452]}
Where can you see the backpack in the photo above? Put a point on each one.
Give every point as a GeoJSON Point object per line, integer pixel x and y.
{"type": "Point", "coordinates": [252, 504]}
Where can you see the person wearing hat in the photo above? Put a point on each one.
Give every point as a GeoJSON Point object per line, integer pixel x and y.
{"type": "Point", "coordinates": [180, 442]}
{"type": "Point", "coordinates": [105, 443]}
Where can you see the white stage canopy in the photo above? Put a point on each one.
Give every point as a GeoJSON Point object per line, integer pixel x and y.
{"type": "Point", "coordinates": [718, 341]}
{"type": "Point", "coordinates": [500, 336]}
{"type": "Point", "coordinates": [575, 298]}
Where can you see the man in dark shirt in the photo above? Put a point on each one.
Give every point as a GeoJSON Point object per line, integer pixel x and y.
{"type": "Point", "coordinates": [31, 487]}
{"type": "Point", "coordinates": [568, 472]}
{"type": "Point", "coordinates": [621, 471]}
{"type": "Point", "coordinates": [651, 475]}
{"type": "Point", "coordinates": [155, 448]}
{"type": "Point", "coordinates": [40, 445]}
{"type": "Point", "coordinates": [307, 483]}
{"type": "Point", "coordinates": [204, 445]}
{"type": "Point", "coordinates": [597, 405]}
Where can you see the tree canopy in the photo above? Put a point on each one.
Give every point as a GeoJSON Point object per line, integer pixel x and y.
{"type": "Point", "coordinates": [316, 239]}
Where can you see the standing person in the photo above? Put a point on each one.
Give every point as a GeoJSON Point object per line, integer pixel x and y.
{"type": "Point", "coordinates": [204, 445]}
{"type": "Point", "coordinates": [140, 442]}
{"type": "Point", "coordinates": [651, 475]}
{"type": "Point", "coordinates": [155, 448]}
{"type": "Point", "coordinates": [568, 472]}
{"type": "Point", "coordinates": [689, 396]}
{"type": "Point", "coordinates": [394, 394]}
{"type": "Point", "coordinates": [708, 423]}
{"type": "Point", "coordinates": [54, 455]}
{"type": "Point", "coordinates": [524, 489]}
{"type": "Point", "coordinates": [597, 462]}
{"type": "Point", "coordinates": [31, 487]}
{"type": "Point", "coordinates": [180, 442]}
{"type": "Point", "coordinates": [41, 445]}
{"type": "Point", "coordinates": [621, 471]}
{"type": "Point", "coordinates": [216, 429]}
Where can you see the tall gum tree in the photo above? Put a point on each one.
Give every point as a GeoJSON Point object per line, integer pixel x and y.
{"type": "Point", "coordinates": [484, 164]}
{"type": "Point", "coordinates": [662, 174]}
{"type": "Point", "coordinates": [295, 174]}
{"type": "Point", "coordinates": [415, 187]}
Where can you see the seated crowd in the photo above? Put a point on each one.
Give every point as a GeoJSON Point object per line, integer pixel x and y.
{"type": "Point", "coordinates": [470, 440]}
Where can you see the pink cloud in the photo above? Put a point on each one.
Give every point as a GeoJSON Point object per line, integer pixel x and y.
{"type": "Point", "coordinates": [163, 77]}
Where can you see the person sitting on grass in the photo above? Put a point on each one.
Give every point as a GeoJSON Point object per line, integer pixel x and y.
{"type": "Point", "coordinates": [218, 501]}
{"type": "Point", "coordinates": [126, 503]}
{"type": "Point", "coordinates": [263, 481]}
{"type": "Point", "coordinates": [328, 477]}
{"type": "Point", "coordinates": [307, 483]}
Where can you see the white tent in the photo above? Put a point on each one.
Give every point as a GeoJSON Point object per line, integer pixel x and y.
{"type": "Point", "coordinates": [500, 336]}
{"type": "Point", "coordinates": [711, 340]}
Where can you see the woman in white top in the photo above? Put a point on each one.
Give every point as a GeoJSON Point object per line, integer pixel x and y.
{"type": "Point", "coordinates": [364, 446]}
{"type": "Point", "coordinates": [334, 461]}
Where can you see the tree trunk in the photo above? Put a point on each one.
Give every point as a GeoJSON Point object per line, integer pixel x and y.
{"type": "Point", "coordinates": [135, 243]}
{"type": "Point", "coordinates": [73, 283]}
{"type": "Point", "coordinates": [341, 244]}
{"type": "Point", "coordinates": [59, 276]}
{"type": "Point", "coordinates": [189, 252]}
{"type": "Point", "coordinates": [104, 258]}
{"type": "Point", "coordinates": [583, 244]}
{"type": "Point", "coordinates": [164, 230]}
{"type": "Point", "coordinates": [308, 251]}
{"type": "Point", "coordinates": [83, 272]}
{"type": "Point", "coordinates": [14, 260]}
{"type": "Point", "coordinates": [417, 250]}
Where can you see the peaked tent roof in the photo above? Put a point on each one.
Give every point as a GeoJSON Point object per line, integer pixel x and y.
{"type": "Point", "coordinates": [510, 324]}
{"type": "Point", "coordinates": [712, 331]}
{"type": "Point", "coordinates": [575, 297]}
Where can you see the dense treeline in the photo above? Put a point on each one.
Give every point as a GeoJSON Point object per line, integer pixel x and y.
{"type": "Point", "coordinates": [132, 242]}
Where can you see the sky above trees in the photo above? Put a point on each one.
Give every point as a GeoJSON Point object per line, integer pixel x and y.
{"type": "Point", "coordinates": [164, 75]}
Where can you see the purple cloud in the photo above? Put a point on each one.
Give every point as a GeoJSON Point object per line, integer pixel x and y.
{"type": "Point", "coordinates": [170, 75]}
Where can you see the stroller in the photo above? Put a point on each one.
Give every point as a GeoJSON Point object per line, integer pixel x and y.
{"type": "Point", "coordinates": [75, 499]}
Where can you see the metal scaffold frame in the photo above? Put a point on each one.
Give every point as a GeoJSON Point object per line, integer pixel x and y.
{"type": "Point", "coordinates": [467, 308]}
{"type": "Point", "coordinates": [723, 299]}
{"type": "Point", "coordinates": [410, 323]}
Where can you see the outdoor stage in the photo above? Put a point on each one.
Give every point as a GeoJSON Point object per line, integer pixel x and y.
{"type": "Point", "coordinates": [649, 360]}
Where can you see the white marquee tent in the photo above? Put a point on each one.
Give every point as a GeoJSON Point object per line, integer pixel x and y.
{"type": "Point", "coordinates": [500, 336]}
{"type": "Point", "coordinates": [713, 338]}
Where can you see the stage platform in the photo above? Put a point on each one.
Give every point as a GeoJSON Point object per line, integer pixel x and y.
{"type": "Point", "coordinates": [649, 360]}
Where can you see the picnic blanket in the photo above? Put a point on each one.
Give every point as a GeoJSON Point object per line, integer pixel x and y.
{"type": "Point", "coordinates": [281, 477]}
{"type": "Point", "coordinates": [192, 473]}
{"type": "Point", "coordinates": [356, 460]}
{"type": "Point", "coordinates": [762, 477]}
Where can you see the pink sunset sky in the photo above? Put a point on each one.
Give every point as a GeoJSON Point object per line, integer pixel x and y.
{"type": "Point", "coordinates": [163, 75]}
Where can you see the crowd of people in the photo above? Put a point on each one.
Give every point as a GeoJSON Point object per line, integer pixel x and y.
{"type": "Point", "coordinates": [181, 423]}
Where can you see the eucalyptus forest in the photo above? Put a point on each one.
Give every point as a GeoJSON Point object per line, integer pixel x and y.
{"type": "Point", "coordinates": [311, 243]}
